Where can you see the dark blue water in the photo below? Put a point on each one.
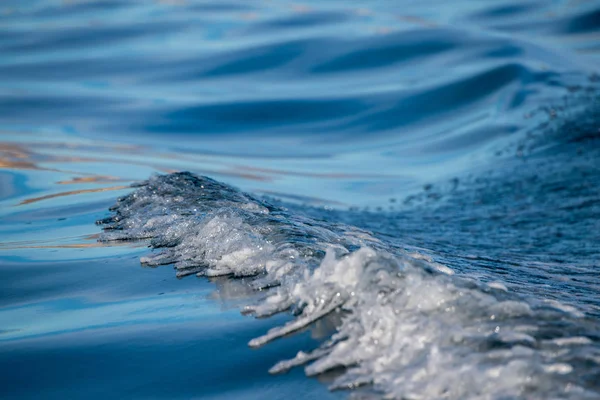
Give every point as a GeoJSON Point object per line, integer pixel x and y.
{"type": "Point", "coordinates": [457, 138]}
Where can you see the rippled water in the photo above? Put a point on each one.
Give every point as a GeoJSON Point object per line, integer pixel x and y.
{"type": "Point", "coordinates": [424, 187]}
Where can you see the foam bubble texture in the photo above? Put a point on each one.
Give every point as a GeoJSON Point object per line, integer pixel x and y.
{"type": "Point", "coordinates": [409, 329]}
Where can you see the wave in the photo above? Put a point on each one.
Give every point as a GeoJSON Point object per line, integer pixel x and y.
{"type": "Point", "coordinates": [408, 327]}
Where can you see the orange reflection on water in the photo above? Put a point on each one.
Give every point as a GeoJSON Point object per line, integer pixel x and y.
{"type": "Point", "coordinates": [16, 157]}
{"type": "Point", "coordinates": [93, 243]}
{"type": "Point", "coordinates": [71, 193]}
{"type": "Point", "coordinates": [37, 155]}
{"type": "Point", "coordinates": [29, 157]}
{"type": "Point", "coordinates": [89, 179]}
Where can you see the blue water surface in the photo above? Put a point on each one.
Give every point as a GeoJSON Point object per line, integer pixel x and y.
{"type": "Point", "coordinates": [469, 129]}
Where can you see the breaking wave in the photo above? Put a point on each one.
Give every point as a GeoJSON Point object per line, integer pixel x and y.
{"type": "Point", "coordinates": [407, 327]}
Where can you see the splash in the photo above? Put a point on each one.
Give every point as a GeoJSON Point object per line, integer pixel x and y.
{"type": "Point", "coordinates": [410, 328]}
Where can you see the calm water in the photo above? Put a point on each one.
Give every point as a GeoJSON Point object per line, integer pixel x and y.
{"type": "Point", "coordinates": [464, 135]}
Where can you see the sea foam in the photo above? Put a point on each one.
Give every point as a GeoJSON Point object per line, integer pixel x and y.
{"type": "Point", "coordinates": [410, 328]}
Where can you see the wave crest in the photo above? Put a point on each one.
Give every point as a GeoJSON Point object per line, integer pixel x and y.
{"type": "Point", "coordinates": [409, 328]}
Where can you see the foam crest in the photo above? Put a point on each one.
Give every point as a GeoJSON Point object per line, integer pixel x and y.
{"type": "Point", "coordinates": [410, 328]}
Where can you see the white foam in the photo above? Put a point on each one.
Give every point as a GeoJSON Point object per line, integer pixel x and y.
{"type": "Point", "coordinates": [411, 328]}
{"type": "Point", "coordinates": [498, 286]}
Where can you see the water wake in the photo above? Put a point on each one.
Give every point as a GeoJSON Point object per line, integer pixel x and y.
{"type": "Point", "coordinates": [410, 328]}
